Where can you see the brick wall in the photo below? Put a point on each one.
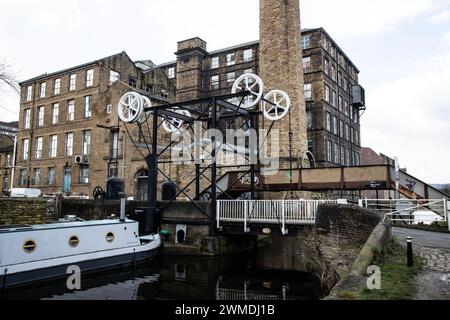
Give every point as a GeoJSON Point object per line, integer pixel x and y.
{"type": "Point", "coordinates": [23, 211]}
{"type": "Point", "coordinates": [350, 222]}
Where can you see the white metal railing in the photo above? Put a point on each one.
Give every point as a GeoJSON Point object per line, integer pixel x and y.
{"type": "Point", "coordinates": [410, 210]}
{"type": "Point", "coordinates": [282, 212]}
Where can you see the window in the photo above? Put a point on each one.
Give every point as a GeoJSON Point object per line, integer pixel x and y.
{"type": "Point", "coordinates": [326, 44]}
{"type": "Point", "coordinates": [69, 144]}
{"type": "Point", "coordinates": [333, 98]}
{"type": "Point", "coordinates": [113, 76]}
{"type": "Point", "coordinates": [37, 176]}
{"type": "Point", "coordinates": [55, 113]}
{"type": "Point", "coordinates": [341, 129]}
{"type": "Point", "coordinates": [43, 90]}
{"type": "Point", "coordinates": [231, 59]}
{"type": "Point", "coordinates": [309, 119]}
{"type": "Point", "coordinates": [56, 86]}
{"type": "Point", "coordinates": [150, 88]}
{"type": "Point", "coordinates": [23, 178]}
{"type": "Point", "coordinates": [352, 135]}
{"type": "Point", "coordinates": [346, 132]}
{"type": "Point", "coordinates": [248, 55]}
{"type": "Point", "coordinates": [329, 151]}
{"type": "Point", "coordinates": [336, 153]}
{"type": "Point", "coordinates": [86, 142]}
{"type": "Point", "coordinates": [215, 82]}
{"type": "Point", "coordinates": [347, 157]}
{"type": "Point", "coordinates": [73, 82]}
{"type": "Point", "coordinates": [340, 78]}
{"type": "Point", "coordinates": [311, 145]}
{"type": "Point", "coordinates": [39, 144]}
{"type": "Point", "coordinates": [51, 176]}
{"type": "Point", "coordinates": [132, 82]}
{"type": "Point", "coordinates": [307, 64]}
{"type": "Point", "coordinates": [333, 72]}
{"type": "Point", "coordinates": [214, 62]}
{"type": "Point", "coordinates": [29, 93]}
{"type": "Point", "coordinates": [340, 103]}
{"type": "Point", "coordinates": [247, 71]}
{"type": "Point", "coordinates": [27, 118]}
{"type": "Point", "coordinates": [308, 91]}
{"type": "Point", "coordinates": [345, 84]}
{"type": "Point", "coordinates": [335, 126]}
{"type": "Point", "coordinates": [171, 73]}
{"type": "Point", "coordinates": [53, 151]}
{"type": "Point", "coordinates": [327, 93]}
{"type": "Point", "coordinates": [164, 93]}
{"type": "Point", "coordinates": [346, 108]}
{"type": "Point", "coordinates": [328, 121]}
{"type": "Point", "coordinates": [306, 42]}
{"type": "Point", "coordinates": [25, 149]}
{"type": "Point", "coordinates": [88, 106]}
{"type": "Point", "coordinates": [84, 174]}
{"type": "Point", "coordinates": [231, 77]}
{"type": "Point", "coordinates": [342, 162]}
{"type": "Point", "coordinates": [109, 109]}
{"type": "Point", "coordinates": [327, 66]}
{"type": "Point", "coordinates": [41, 114]}
{"type": "Point", "coordinates": [89, 78]}
{"type": "Point", "coordinates": [71, 110]}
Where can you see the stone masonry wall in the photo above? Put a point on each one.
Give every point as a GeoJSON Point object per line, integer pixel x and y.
{"type": "Point", "coordinates": [23, 211]}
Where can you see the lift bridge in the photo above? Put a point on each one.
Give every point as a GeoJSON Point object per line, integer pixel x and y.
{"type": "Point", "coordinates": [233, 196]}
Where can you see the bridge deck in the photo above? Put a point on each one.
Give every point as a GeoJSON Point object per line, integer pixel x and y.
{"type": "Point", "coordinates": [374, 177]}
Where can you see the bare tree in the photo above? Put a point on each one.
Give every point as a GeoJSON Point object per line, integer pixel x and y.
{"type": "Point", "coordinates": [8, 77]}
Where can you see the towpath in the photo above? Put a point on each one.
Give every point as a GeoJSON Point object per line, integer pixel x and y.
{"type": "Point", "coordinates": [433, 282]}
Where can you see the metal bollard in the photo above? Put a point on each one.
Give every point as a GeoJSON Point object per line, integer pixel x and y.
{"type": "Point", "coordinates": [409, 249]}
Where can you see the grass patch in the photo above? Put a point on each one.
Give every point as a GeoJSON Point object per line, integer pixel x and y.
{"type": "Point", "coordinates": [397, 280]}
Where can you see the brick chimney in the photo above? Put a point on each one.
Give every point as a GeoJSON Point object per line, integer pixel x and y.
{"type": "Point", "coordinates": [281, 68]}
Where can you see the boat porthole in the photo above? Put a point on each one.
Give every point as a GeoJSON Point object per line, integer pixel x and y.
{"type": "Point", "coordinates": [110, 237]}
{"type": "Point", "coordinates": [74, 241]}
{"type": "Point", "coordinates": [29, 246]}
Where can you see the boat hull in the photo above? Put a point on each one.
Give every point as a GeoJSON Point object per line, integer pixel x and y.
{"type": "Point", "coordinates": [88, 267]}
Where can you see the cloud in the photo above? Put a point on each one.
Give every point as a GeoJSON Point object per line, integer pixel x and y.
{"type": "Point", "coordinates": [445, 41]}
{"type": "Point", "coordinates": [440, 17]}
{"type": "Point", "coordinates": [409, 118]}
{"type": "Point", "coordinates": [356, 17]}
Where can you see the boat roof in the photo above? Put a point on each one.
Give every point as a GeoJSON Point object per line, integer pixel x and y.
{"type": "Point", "coordinates": [60, 225]}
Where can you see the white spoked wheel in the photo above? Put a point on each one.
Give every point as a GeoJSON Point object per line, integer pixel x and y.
{"type": "Point", "coordinates": [146, 103]}
{"type": "Point", "coordinates": [172, 124]}
{"type": "Point", "coordinates": [252, 83]}
{"type": "Point", "coordinates": [130, 107]}
{"type": "Point", "coordinates": [276, 105]}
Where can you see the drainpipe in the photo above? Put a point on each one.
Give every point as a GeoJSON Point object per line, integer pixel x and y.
{"type": "Point", "coordinates": [13, 167]}
{"type": "Point", "coordinates": [122, 206]}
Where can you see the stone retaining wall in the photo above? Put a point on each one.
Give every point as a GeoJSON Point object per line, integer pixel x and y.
{"type": "Point", "coordinates": [22, 211]}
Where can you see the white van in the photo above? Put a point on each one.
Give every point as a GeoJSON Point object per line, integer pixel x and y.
{"type": "Point", "coordinates": [25, 193]}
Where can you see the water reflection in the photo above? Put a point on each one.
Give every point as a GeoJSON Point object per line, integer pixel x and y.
{"type": "Point", "coordinates": [181, 278]}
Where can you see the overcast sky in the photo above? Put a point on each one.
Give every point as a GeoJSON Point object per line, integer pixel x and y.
{"type": "Point", "coordinates": [402, 48]}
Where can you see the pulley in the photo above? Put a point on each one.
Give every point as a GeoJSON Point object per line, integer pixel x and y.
{"type": "Point", "coordinates": [251, 83]}
{"type": "Point", "coordinates": [276, 105]}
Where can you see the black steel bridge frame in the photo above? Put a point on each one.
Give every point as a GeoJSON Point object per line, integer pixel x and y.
{"type": "Point", "coordinates": [206, 110]}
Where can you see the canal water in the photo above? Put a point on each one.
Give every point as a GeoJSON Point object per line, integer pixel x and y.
{"type": "Point", "coordinates": [188, 278]}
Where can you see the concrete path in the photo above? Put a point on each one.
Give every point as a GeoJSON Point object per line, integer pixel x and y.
{"type": "Point", "coordinates": [433, 282]}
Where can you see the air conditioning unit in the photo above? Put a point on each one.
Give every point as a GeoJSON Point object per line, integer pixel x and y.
{"type": "Point", "coordinates": [80, 159]}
